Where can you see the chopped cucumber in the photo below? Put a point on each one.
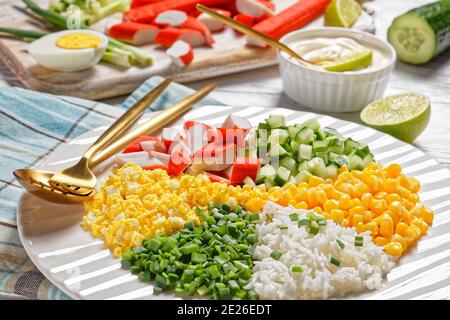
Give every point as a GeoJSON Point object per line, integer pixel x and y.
{"type": "Point", "coordinates": [269, 183]}
{"type": "Point", "coordinates": [293, 132]}
{"type": "Point", "coordinates": [319, 146]}
{"type": "Point", "coordinates": [276, 121]}
{"type": "Point", "coordinates": [305, 136]}
{"type": "Point", "coordinates": [332, 171]}
{"type": "Point", "coordinates": [249, 181]}
{"type": "Point", "coordinates": [303, 176]}
{"type": "Point", "coordinates": [278, 136]}
{"type": "Point", "coordinates": [312, 124]}
{"type": "Point", "coordinates": [355, 162]}
{"type": "Point", "coordinates": [350, 145]}
{"type": "Point", "coordinates": [282, 176]}
{"type": "Point", "coordinates": [277, 150]}
{"type": "Point", "coordinates": [305, 152]}
{"type": "Point", "coordinates": [288, 163]}
{"type": "Point", "coordinates": [340, 161]}
{"type": "Point", "coordinates": [267, 171]}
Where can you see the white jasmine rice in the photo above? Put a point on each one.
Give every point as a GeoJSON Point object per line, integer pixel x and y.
{"type": "Point", "coordinates": [307, 267]}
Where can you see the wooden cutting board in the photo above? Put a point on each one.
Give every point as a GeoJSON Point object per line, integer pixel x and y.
{"type": "Point", "coordinates": [229, 55]}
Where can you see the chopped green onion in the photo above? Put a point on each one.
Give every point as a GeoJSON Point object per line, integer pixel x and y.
{"type": "Point", "coordinates": [294, 216]}
{"type": "Point", "coordinates": [335, 261]}
{"type": "Point", "coordinates": [304, 223]}
{"type": "Point", "coordinates": [340, 243]}
{"type": "Point", "coordinates": [359, 241]}
{"type": "Point", "coordinates": [276, 255]}
{"type": "Point", "coordinates": [283, 227]}
{"type": "Point", "coordinates": [297, 269]}
{"type": "Point", "coordinates": [254, 217]}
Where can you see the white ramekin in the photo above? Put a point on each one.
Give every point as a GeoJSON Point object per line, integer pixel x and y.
{"type": "Point", "coordinates": [335, 91]}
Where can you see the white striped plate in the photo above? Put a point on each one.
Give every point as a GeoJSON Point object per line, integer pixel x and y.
{"type": "Point", "coordinates": [79, 265]}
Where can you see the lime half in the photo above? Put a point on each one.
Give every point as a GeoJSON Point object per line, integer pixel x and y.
{"type": "Point", "coordinates": [404, 116]}
{"type": "Point", "coordinates": [342, 13]}
{"type": "Point", "coordinates": [354, 61]}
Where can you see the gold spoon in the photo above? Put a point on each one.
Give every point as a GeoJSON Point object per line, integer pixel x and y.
{"type": "Point", "coordinates": [251, 32]}
{"type": "Point", "coordinates": [37, 181]}
{"type": "Point", "coordinates": [79, 179]}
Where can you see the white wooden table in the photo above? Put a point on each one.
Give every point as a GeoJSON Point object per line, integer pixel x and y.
{"type": "Point", "coordinates": [263, 87]}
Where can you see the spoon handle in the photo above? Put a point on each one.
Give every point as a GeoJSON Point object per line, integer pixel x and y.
{"type": "Point", "coordinates": [154, 124]}
{"type": "Point", "coordinates": [126, 120]}
{"type": "Point", "coordinates": [249, 31]}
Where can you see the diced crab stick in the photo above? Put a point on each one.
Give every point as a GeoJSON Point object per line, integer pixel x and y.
{"type": "Point", "coordinates": [123, 158]}
{"type": "Point", "coordinates": [168, 36]}
{"type": "Point", "coordinates": [156, 145]}
{"type": "Point", "coordinates": [140, 3]}
{"type": "Point", "coordinates": [135, 146]}
{"type": "Point", "coordinates": [182, 146]}
{"type": "Point", "coordinates": [194, 13]}
{"type": "Point", "coordinates": [181, 53]}
{"type": "Point", "coordinates": [253, 8]}
{"type": "Point", "coordinates": [178, 163]}
{"type": "Point", "coordinates": [197, 137]}
{"type": "Point", "coordinates": [169, 135]}
{"type": "Point", "coordinates": [215, 157]}
{"type": "Point", "coordinates": [135, 33]}
{"type": "Point", "coordinates": [245, 19]}
{"type": "Point", "coordinates": [171, 18]}
{"type": "Point", "coordinates": [242, 168]}
{"type": "Point", "coordinates": [190, 123]}
{"type": "Point", "coordinates": [152, 164]}
{"type": "Point", "coordinates": [231, 7]}
{"type": "Point", "coordinates": [229, 135]}
{"type": "Point", "coordinates": [215, 178]}
{"type": "Point", "coordinates": [147, 13]}
{"type": "Point", "coordinates": [290, 19]}
{"type": "Point", "coordinates": [236, 122]}
{"type": "Point", "coordinates": [212, 24]}
{"type": "Point", "coordinates": [163, 157]}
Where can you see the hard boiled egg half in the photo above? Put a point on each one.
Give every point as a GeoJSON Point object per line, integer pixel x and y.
{"type": "Point", "coordinates": [70, 50]}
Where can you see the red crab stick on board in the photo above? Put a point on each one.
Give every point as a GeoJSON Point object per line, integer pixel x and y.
{"type": "Point", "coordinates": [137, 34]}
{"type": "Point", "coordinates": [147, 13]}
{"type": "Point", "coordinates": [181, 53]}
{"type": "Point", "coordinates": [254, 8]}
{"type": "Point", "coordinates": [140, 3]}
{"type": "Point", "coordinates": [168, 36]}
{"type": "Point", "coordinates": [290, 19]}
{"type": "Point", "coordinates": [212, 24]}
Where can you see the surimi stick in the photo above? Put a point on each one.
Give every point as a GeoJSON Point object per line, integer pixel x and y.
{"type": "Point", "coordinates": [292, 18]}
{"type": "Point", "coordinates": [135, 33]}
{"type": "Point", "coordinates": [181, 53]}
{"type": "Point", "coordinates": [168, 36]}
{"type": "Point", "coordinates": [212, 24]}
{"type": "Point", "coordinates": [194, 24]}
{"type": "Point", "coordinates": [253, 8]}
{"type": "Point", "coordinates": [245, 19]}
{"type": "Point", "coordinates": [171, 18]}
{"type": "Point", "coordinates": [146, 14]}
{"type": "Point", "coordinates": [140, 3]}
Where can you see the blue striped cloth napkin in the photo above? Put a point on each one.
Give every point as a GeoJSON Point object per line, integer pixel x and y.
{"type": "Point", "coordinates": [32, 125]}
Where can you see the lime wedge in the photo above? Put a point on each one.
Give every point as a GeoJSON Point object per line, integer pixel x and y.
{"type": "Point", "coordinates": [342, 13]}
{"type": "Point", "coordinates": [354, 61]}
{"type": "Point", "coordinates": [403, 116]}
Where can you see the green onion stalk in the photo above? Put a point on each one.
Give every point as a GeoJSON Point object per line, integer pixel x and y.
{"type": "Point", "coordinates": [117, 52]}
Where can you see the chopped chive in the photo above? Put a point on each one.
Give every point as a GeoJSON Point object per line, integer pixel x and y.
{"type": "Point", "coordinates": [297, 269]}
{"type": "Point", "coordinates": [294, 216]}
{"type": "Point", "coordinates": [283, 227]}
{"type": "Point", "coordinates": [276, 255]}
{"type": "Point", "coordinates": [314, 228]}
{"type": "Point", "coordinates": [335, 261]}
{"type": "Point", "coordinates": [304, 223]}
{"type": "Point", "coordinates": [322, 223]}
{"type": "Point", "coordinates": [254, 217]}
{"type": "Point", "coordinates": [313, 217]}
{"type": "Point", "coordinates": [340, 243]}
{"type": "Point", "coordinates": [359, 241]}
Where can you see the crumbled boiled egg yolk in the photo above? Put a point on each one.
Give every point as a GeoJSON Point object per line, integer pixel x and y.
{"type": "Point", "coordinates": [79, 41]}
{"type": "Point", "coordinates": [134, 204]}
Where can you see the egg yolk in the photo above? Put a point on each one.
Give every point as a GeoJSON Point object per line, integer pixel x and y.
{"type": "Point", "coordinates": [79, 41]}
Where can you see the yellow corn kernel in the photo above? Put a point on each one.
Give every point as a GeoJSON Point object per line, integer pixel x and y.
{"type": "Point", "coordinates": [342, 169]}
{"type": "Point", "coordinates": [393, 197]}
{"type": "Point", "coordinates": [330, 205]}
{"type": "Point", "coordinates": [381, 241]}
{"type": "Point", "coordinates": [378, 206]}
{"type": "Point", "coordinates": [403, 192]}
{"type": "Point", "coordinates": [336, 195]}
{"type": "Point", "coordinates": [254, 205]}
{"type": "Point", "coordinates": [345, 223]}
{"type": "Point", "coordinates": [345, 188]}
{"type": "Point", "coordinates": [401, 240]}
{"type": "Point", "coordinates": [427, 215]}
{"type": "Point", "coordinates": [410, 236]}
{"type": "Point", "coordinates": [373, 183]}
{"type": "Point", "coordinates": [389, 185]}
{"type": "Point", "coordinates": [393, 170]}
{"type": "Point", "coordinates": [387, 226]}
{"type": "Point", "coordinates": [355, 202]}
{"type": "Point", "coordinates": [318, 210]}
{"type": "Point", "coordinates": [315, 181]}
{"type": "Point", "coordinates": [345, 202]}
{"type": "Point", "coordinates": [368, 216]}
{"type": "Point", "coordinates": [301, 194]}
{"type": "Point", "coordinates": [393, 248]}
{"type": "Point", "coordinates": [421, 224]}
{"type": "Point", "coordinates": [301, 205]}
{"type": "Point", "coordinates": [356, 210]}
{"type": "Point", "coordinates": [395, 207]}
{"type": "Point", "coordinates": [337, 215]}
{"type": "Point", "coordinates": [416, 229]}
{"type": "Point", "coordinates": [360, 189]}
{"type": "Point", "coordinates": [356, 173]}
{"type": "Point", "coordinates": [360, 227]}
{"type": "Point", "coordinates": [366, 200]}
{"type": "Point", "coordinates": [357, 218]}
{"type": "Point", "coordinates": [321, 196]}
{"type": "Point", "coordinates": [414, 185]}
{"type": "Point", "coordinates": [407, 204]}
{"type": "Point", "coordinates": [403, 181]}
{"type": "Point", "coordinates": [380, 195]}
{"type": "Point", "coordinates": [372, 227]}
